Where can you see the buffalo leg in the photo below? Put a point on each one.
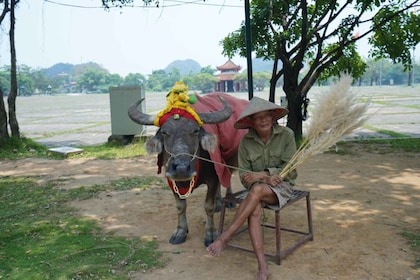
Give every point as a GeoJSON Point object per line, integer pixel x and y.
{"type": "Point", "coordinates": [218, 201]}
{"type": "Point", "coordinates": [211, 233]}
{"type": "Point", "coordinates": [218, 205]}
{"type": "Point", "coordinates": [181, 232]}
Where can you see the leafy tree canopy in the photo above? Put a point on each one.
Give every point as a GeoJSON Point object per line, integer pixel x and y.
{"type": "Point", "coordinates": [321, 34]}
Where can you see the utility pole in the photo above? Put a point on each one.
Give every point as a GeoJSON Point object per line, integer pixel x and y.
{"type": "Point", "coordinates": [414, 66]}
{"type": "Point", "coordinates": [248, 50]}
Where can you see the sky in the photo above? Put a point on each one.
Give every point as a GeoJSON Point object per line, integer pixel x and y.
{"type": "Point", "coordinates": [130, 40]}
{"type": "Point", "coordinates": [135, 39]}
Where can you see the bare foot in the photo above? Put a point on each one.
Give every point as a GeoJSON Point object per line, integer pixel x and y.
{"type": "Point", "coordinates": [216, 247]}
{"type": "Point", "coordinates": [263, 274]}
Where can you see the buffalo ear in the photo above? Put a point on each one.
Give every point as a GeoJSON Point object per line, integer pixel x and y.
{"type": "Point", "coordinates": [154, 144]}
{"type": "Point", "coordinates": [208, 141]}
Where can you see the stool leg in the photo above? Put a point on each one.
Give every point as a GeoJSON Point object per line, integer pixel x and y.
{"type": "Point", "coordinates": [278, 237]}
{"type": "Point", "coordinates": [222, 217]}
{"type": "Point", "coordinates": [309, 214]}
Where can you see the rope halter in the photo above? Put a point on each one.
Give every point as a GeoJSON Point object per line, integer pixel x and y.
{"type": "Point", "coordinates": [193, 181]}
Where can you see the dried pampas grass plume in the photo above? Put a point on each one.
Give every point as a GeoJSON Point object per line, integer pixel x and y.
{"type": "Point", "coordinates": [337, 114]}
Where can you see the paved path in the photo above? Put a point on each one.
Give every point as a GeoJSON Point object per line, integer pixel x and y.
{"type": "Point", "coordinates": [85, 119]}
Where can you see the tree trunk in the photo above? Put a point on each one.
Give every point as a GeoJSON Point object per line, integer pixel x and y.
{"type": "Point", "coordinates": [294, 101]}
{"type": "Point", "coordinates": [410, 77]}
{"type": "Point", "coordinates": [11, 100]}
{"type": "Point", "coordinates": [4, 133]}
{"type": "Point", "coordinates": [294, 118]}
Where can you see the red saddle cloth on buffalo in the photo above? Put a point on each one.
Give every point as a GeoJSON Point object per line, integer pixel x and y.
{"type": "Point", "coordinates": [228, 136]}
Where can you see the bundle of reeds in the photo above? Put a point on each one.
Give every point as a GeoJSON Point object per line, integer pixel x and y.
{"type": "Point", "coordinates": [337, 114]}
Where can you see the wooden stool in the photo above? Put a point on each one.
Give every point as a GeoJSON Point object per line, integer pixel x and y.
{"type": "Point", "coordinates": [279, 254]}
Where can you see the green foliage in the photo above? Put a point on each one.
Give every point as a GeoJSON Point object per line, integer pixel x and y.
{"type": "Point", "coordinates": [323, 36]}
{"type": "Point", "coordinates": [351, 61]}
{"type": "Point", "coordinates": [203, 82]}
{"type": "Point", "coordinates": [91, 79]}
{"type": "Point", "coordinates": [42, 238]}
{"type": "Point", "coordinates": [207, 70]}
{"type": "Point", "coordinates": [396, 33]}
{"type": "Point", "coordinates": [382, 71]}
{"type": "Point", "coordinates": [261, 79]}
{"type": "Point", "coordinates": [154, 83]}
{"type": "Point", "coordinates": [135, 79]}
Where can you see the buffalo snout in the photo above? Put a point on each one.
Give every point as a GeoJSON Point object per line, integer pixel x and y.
{"type": "Point", "coordinates": [181, 169]}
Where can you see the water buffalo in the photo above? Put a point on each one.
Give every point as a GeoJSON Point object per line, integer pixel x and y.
{"type": "Point", "coordinates": [188, 150]}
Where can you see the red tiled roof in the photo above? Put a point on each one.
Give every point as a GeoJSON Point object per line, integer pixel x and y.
{"type": "Point", "coordinates": [229, 65]}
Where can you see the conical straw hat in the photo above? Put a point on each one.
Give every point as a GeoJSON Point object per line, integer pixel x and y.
{"type": "Point", "coordinates": [257, 105]}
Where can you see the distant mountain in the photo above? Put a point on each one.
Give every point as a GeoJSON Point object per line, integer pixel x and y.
{"type": "Point", "coordinates": [185, 67]}
{"type": "Point", "coordinates": [58, 68]}
{"type": "Point", "coordinates": [71, 69]}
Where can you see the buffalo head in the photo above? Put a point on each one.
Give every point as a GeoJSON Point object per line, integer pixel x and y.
{"type": "Point", "coordinates": [179, 140]}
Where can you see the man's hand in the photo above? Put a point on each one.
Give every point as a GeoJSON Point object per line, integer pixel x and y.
{"type": "Point", "coordinates": [274, 180]}
{"type": "Point", "coordinates": [249, 178]}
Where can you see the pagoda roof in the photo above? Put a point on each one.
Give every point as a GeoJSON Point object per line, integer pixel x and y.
{"type": "Point", "coordinates": [229, 65]}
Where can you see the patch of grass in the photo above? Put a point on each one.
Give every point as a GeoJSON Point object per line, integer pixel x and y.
{"type": "Point", "coordinates": [14, 148]}
{"type": "Point", "coordinates": [55, 133]}
{"type": "Point", "coordinates": [410, 145]}
{"type": "Point", "coordinates": [112, 150]}
{"type": "Point", "coordinates": [17, 148]}
{"type": "Point", "coordinates": [128, 183]}
{"type": "Point", "coordinates": [42, 238]}
{"type": "Point", "coordinates": [414, 240]}
{"type": "Point", "coordinates": [135, 182]}
{"type": "Point", "coordinates": [391, 133]}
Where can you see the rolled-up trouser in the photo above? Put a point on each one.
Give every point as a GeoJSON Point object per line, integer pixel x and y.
{"type": "Point", "coordinates": [283, 192]}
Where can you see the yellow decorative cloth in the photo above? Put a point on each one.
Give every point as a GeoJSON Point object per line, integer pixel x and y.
{"type": "Point", "coordinates": [179, 99]}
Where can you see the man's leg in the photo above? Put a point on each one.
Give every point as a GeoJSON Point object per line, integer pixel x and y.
{"type": "Point", "coordinates": [257, 239]}
{"type": "Point", "coordinates": [257, 194]}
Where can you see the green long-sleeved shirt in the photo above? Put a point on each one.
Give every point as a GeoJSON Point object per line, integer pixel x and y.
{"type": "Point", "coordinates": [254, 155]}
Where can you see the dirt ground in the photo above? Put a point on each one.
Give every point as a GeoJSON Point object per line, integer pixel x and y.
{"type": "Point", "coordinates": [361, 202]}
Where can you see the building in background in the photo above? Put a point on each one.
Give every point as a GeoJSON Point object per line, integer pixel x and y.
{"type": "Point", "coordinates": [226, 78]}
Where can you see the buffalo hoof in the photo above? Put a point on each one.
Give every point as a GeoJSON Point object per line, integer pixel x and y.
{"type": "Point", "coordinates": [210, 238]}
{"type": "Point", "coordinates": [179, 236]}
{"type": "Point", "coordinates": [177, 239]}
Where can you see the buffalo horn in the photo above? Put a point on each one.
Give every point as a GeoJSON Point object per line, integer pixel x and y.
{"type": "Point", "coordinates": [139, 117]}
{"type": "Point", "coordinates": [219, 116]}
{"type": "Point", "coordinates": [209, 118]}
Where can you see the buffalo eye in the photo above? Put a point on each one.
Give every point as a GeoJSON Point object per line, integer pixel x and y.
{"type": "Point", "coordinates": [196, 131]}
